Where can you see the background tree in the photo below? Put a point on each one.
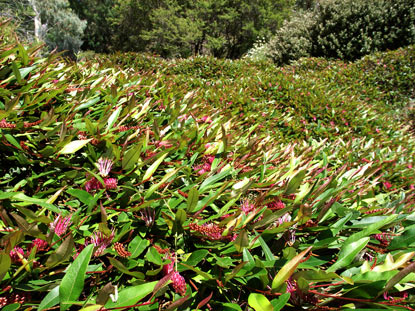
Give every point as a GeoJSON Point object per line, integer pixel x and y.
{"type": "Point", "coordinates": [223, 28]}
{"type": "Point", "coordinates": [51, 21]}
{"type": "Point", "coordinates": [99, 15]}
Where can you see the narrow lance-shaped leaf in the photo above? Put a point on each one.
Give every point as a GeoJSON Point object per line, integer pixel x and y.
{"type": "Point", "coordinates": [288, 269]}
{"type": "Point", "coordinates": [50, 300]}
{"type": "Point", "coordinates": [348, 253]}
{"type": "Point", "coordinates": [192, 199]}
{"type": "Point", "coordinates": [150, 171]}
{"type": "Point", "coordinates": [73, 282]}
{"type": "Point", "coordinates": [395, 279]}
{"type": "Point", "coordinates": [74, 146]}
{"type": "Point", "coordinates": [259, 302]}
{"type": "Point", "coordinates": [5, 263]}
{"type": "Point", "coordinates": [131, 295]}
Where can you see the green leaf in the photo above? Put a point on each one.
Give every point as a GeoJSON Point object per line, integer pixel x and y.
{"type": "Point", "coordinates": [16, 72]}
{"type": "Point", "coordinates": [131, 295]}
{"type": "Point", "coordinates": [137, 246]}
{"type": "Point", "coordinates": [73, 282]}
{"type": "Point", "coordinates": [63, 252]}
{"type": "Point", "coordinates": [268, 254]}
{"type": "Point", "coordinates": [259, 302]}
{"type": "Point", "coordinates": [192, 199]}
{"type": "Point", "coordinates": [288, 269]}
{"type": "Point", "coordinates": [50, 300]}
{"type": "Point", "coordinates": [150, 171]}
{"type": "Point", "coordinates": [371, 229]}
{"type": "Point", "coordinates": [348, 253]}
{"type": "Point", "coordinates": [113, 118]}
{"type": "Point", "coordinates": [13, 141]}
{"type": "Point", "coordinates": [198, 271]}
{"type": "Point", "coordinates": [281, 301]}
{"type": "Point", "coordinates": [89, 103]}
{"type": "Point", "coordinates": [5, 263]}
{"type": "Point", "coordinates": [11, 307]}
{"type": "Point", "coordinates": [131, 157]}
{"type": "Point", "coordinates": [82, 195]}
{"type": "Point", "coordinates": [213, 179]}
{"type": "Point", "coordinates": [154, 256]}
{"type": "Point", "coordinates": [241, 241]}
{"type": "Point", "coordinates": [295, 182]}
{"type": "Point", "coordinates": [74, 146]}
{"type": "Point", "coordinates": [117, 264]}
{"type": "Point", "coordinates": [196, 257]}
{"type": "Point", "coordinates": [231, 307]}
{"type": "Point", "coordinates": [404, 240]}
{"type": "Point", "coordinates": [42, 202]}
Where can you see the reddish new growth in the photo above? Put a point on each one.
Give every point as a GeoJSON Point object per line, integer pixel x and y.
{"type": "Point", "coordinates": [384, 238]}
{"type": "Point", "coordinates": [14, 254]}
{"type": "Point", "coordinates": [178, 281]}
{"type": "Point", "coordinates": [41, 244]}
{"type": "Point", "coordinates": [94, 184]}
{"type": "Point", "coordinates": [205, 166]}
{"type": "Point", "coordinates": [14, 298]}
{"type": "Point", "coordinates": [211, 232]}
{"type": "Point", "coordinates": [121, 250]}
{"type": "Point", "coordinates": [276, 205]}
{"type": "Point", "coordinates": [101, 242]}
{"type": "Point", "coordinates": [60, 224]}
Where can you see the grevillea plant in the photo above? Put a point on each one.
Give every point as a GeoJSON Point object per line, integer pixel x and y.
{"type": "Point", "coordinates": [142, 184]}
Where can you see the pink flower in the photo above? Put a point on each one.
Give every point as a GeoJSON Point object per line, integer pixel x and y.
{"type": "Point", "coordinates": [92, 184]}
{"type": "Point", "coordinates": [101, 241]}
{"type": "Point", "coordinates": [60, 224]}
{"type": "Point", "coordinates": [110, 183]}
{"type": "Point", "coordinates": [14, 254]}
{"type": "Point", "coordinates": [41, 244]}
{"type": "Point", "coordinates": [276, 205]}
{"type": "Point", "coordinates": [104, 166]}
{"type": "Point", "coordinates": [179, 283]}
{"type": "Point", "coordinates": [387, 185]}
{"type": "Point", "coordinates": [285, 218]}
{"type": "Point", "coordinates": [377, 131]}
{"type": "Point", "coordinates": [247, 207]}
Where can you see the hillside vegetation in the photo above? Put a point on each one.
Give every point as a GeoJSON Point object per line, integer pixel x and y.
{"type": "Point", "coordinates": [133, 182]}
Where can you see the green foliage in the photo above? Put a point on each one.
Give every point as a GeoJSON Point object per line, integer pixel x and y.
{"type": "Point", "coordinates": [99, 15]}
{"type": "Point", "coordinates": [293, 40]}
{"type": "Point", "coordinates": [63, 29]}
{"type": "Point", "coordinates": [50, 21]}
{"type": "Point", "coordinates": [344, 29]}
{"type": "Point", "coordinates": [141, 183]}
{"type": "Point", "coordinates": [351, 29]}
{"type": "Point", "coordinates": [225, 28]}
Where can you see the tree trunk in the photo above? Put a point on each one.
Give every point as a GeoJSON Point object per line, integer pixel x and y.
{"type": "Point", "coordinates": [37, 20]}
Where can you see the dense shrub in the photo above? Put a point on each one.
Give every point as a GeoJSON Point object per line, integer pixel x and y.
{"type": "Point", "coordinates": [350, 29]}
{"type": "Point", "coordinates": [346, 29]}
{"type": "Point", "coordinates": [293, 39]}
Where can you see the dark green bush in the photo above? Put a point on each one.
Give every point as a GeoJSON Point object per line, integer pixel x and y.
{"type": "Point", "coordinates": [346, 29]}
{"type": "Point", "coordinates": [351, 29]}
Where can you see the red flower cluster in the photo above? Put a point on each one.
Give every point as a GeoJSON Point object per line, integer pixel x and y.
{"type": "Point", "coordinates": [60, 224]}
{"type": "Point", "coordinates": [179, 283]}
{"type": "Point", "coordinates": [206, 166]}
{"type": "Point", "coordinates": [14, 298]}
{"type": "Point", "coordinates": [211, 232]}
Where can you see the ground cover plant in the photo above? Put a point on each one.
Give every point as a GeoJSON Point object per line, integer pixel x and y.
{"type": "Point", "coordinates": [133, 182]}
